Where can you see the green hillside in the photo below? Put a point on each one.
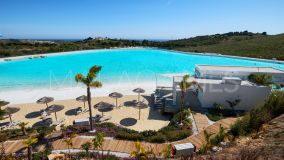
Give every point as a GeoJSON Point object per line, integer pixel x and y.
{"type": "Point", "coordinates": [257, 45]}
{"type": "Point", "coordinates": [248, 44]}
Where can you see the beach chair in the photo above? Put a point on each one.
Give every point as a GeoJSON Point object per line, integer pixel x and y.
{"type": "Point", "coordinates": [58, 122]}
{"type": "Point", "coordinates": [104, 118]}
{"type": "Point", "coordinates": [120, 106]}
{"type": "Point", "coordinates": [79, 110]}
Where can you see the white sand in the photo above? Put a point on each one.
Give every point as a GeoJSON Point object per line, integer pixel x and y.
{"type": "Point", "coordinates": [61, 93]}
{"type": "Point", "coordinates": [150, 119]}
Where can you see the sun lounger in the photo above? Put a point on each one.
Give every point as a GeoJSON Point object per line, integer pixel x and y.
{"type": "Point", "coordinates": [85, 121]}
{"type": "Point", "coordinates": [58, 122]}
{"type": "Point", "coordinates": [105, 118]}
{"type": "Point", "coordinates": [79, 110]}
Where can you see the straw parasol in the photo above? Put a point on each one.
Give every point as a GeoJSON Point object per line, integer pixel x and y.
{"type": "Point", "coordinates": [45, 100]}
{"type": "Point", "coordinates": [140, 105]}
{"type": "Point", "coordinates": [103, 107]}
{"type": "Point", "coordinates": [3, 103]}
{"type": "Point", "coordinates": [82, 98]}
{"type": "Point", "coordinates": [115, 95]}
{"type": "Point", "coordinates": [11, 110]}
{"type": "Point", "coordinates": [54, 108]}
{"type": "Point", "coordinates": [139, 91]}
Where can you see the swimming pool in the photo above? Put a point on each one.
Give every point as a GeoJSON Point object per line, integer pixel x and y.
{"type": "Point", "coordinates": [137, 66]}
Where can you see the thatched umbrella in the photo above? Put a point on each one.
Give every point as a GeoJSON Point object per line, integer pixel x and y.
{"type": "Point", "coordinates": [115, 95]}
{"type": "Point", "coordinates": [140, 105]}
{"type": "Point", "coordinates": [45, 100]}
{"type": "Point", "coordinates": [82, 98]}
{"type": "Point", "coordinates": [104, 107]}
{"type": "Point", "coordinates": [11, 110]}
{"type": "Point", "coordinates": [54, 108]}
{"type": "Point", "coordinates": [139, 91]}
{"type": "Point", "coordinates": [3, 103]}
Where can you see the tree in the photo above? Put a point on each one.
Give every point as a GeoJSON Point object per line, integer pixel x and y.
{"type": "Point", "coordinates": [89, 81]}
{"type": "Point", "coordinates": [98, 142]}
{"type": "Point", "coordinates": [233, 104]}
{"type": "Point", "coordinates": [23, 125]}
{"type": "Point", "coordinates": [184, 85]}
{"type": "Point", "coordinates": [28, 144]}
{"type": "Point", "coordinates": [140, 153]}
{"type": "Point", "coordinates": [69, 142]}
{"type": "Point", "coordinates": [86, 147]}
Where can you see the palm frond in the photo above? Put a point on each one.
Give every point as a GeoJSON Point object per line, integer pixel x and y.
{"type": "Point", "coordinates": [79, 77]}
{"type": "Point", "coordinates": [96, 84]}
{"type": "Point", "coordinates": [95, 69]}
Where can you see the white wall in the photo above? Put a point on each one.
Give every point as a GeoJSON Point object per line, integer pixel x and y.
{"type": "Point", "coordinates": [276, 77]}
{"type": "Point", "coordinates": [251, 96]}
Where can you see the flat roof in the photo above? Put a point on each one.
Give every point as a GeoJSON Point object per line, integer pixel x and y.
{"type": "Point", "coordinates": [239, 69]}
{"type": "Point", "coordinates": [178, 79]}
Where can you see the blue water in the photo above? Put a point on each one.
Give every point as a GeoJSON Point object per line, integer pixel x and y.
{"type": "Point", "coordinates": [117, 65]}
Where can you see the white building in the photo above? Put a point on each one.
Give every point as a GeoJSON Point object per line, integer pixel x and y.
{"type": "Point", "coordinates": [218, 72]}
{"type": "Point", "coordinates": [219, 85]}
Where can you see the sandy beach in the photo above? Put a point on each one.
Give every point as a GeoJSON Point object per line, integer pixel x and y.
{"type": "Point", "coordinates": [126, 116]}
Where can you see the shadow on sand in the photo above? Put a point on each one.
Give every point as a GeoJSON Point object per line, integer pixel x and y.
{"type": "Point", "coordinates": [33, 115]}
{"type": "Point", "coordinates": [71, 112]}
{"type": "Point", "coordinates": [155, 114]}
{"type": "Point", "coordinates": [44, 123]}
{"type": "Point", "coordinates": [128, 122]}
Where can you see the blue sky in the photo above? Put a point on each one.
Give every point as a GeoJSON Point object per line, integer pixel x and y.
{"type": "Point", "coordinates": [137, 19]}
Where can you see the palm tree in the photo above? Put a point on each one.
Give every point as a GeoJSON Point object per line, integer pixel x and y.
{"type": "Point", "coordinates": [23, 125]}
{"type": "Point", "coordinates": [140, 153]}
{"type": "Point", "coordinates": [69, 143]}
{"type": "Point", "coordinates": [184, 85]}
{"type": "Point", "coordinates": [28, 144]}
{"type": "Point", "coordinates": [86, 147]}
{"type": "Point", "coordinates": [98, 142]}
{"type": "Point", "coordinates": [207, 137]}
{"type": "Point", "coordinates": [89, 81]}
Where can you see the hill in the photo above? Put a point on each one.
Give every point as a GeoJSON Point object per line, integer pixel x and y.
{"type": "Point", "coordinates": [247, 45]}
{"type": "Point", "coordinates": [266, 144]}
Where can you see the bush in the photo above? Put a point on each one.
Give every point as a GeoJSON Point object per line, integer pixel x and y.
{"type": "Point", "coordinates": [129, 136]}
{"type": "Point", "coordinates": [185, 117]}
{"type": "Point", "coordinates": [254, 119]}
{"type": "Point", "coordinates": [149, 133]}
{"type": "Point", "coordinates": [260, 79]}
{"type": "Point", "coordinates": [159, 138]}
{"type": "Point", "coordinates": [177, 135]}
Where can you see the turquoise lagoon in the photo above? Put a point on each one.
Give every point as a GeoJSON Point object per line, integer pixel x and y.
{"type": "Point", "coordinates": [120, 67]}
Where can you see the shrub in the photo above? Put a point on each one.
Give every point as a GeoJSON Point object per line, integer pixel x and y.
{"type": "Point", "coordinates": [177, 135]}
{"type": "Point", "coordinates": [149, 133]}
{"type": "Point", "coordinates": [254, 119]}
{"type": "Point", "coordinates": [129, 136]}
{"type": "Point", "coordinates": [185, 117]}
{"type": "Point", "coordinates": [261, 79]}
{"type": "Point", "coordinates": [158, 138]}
